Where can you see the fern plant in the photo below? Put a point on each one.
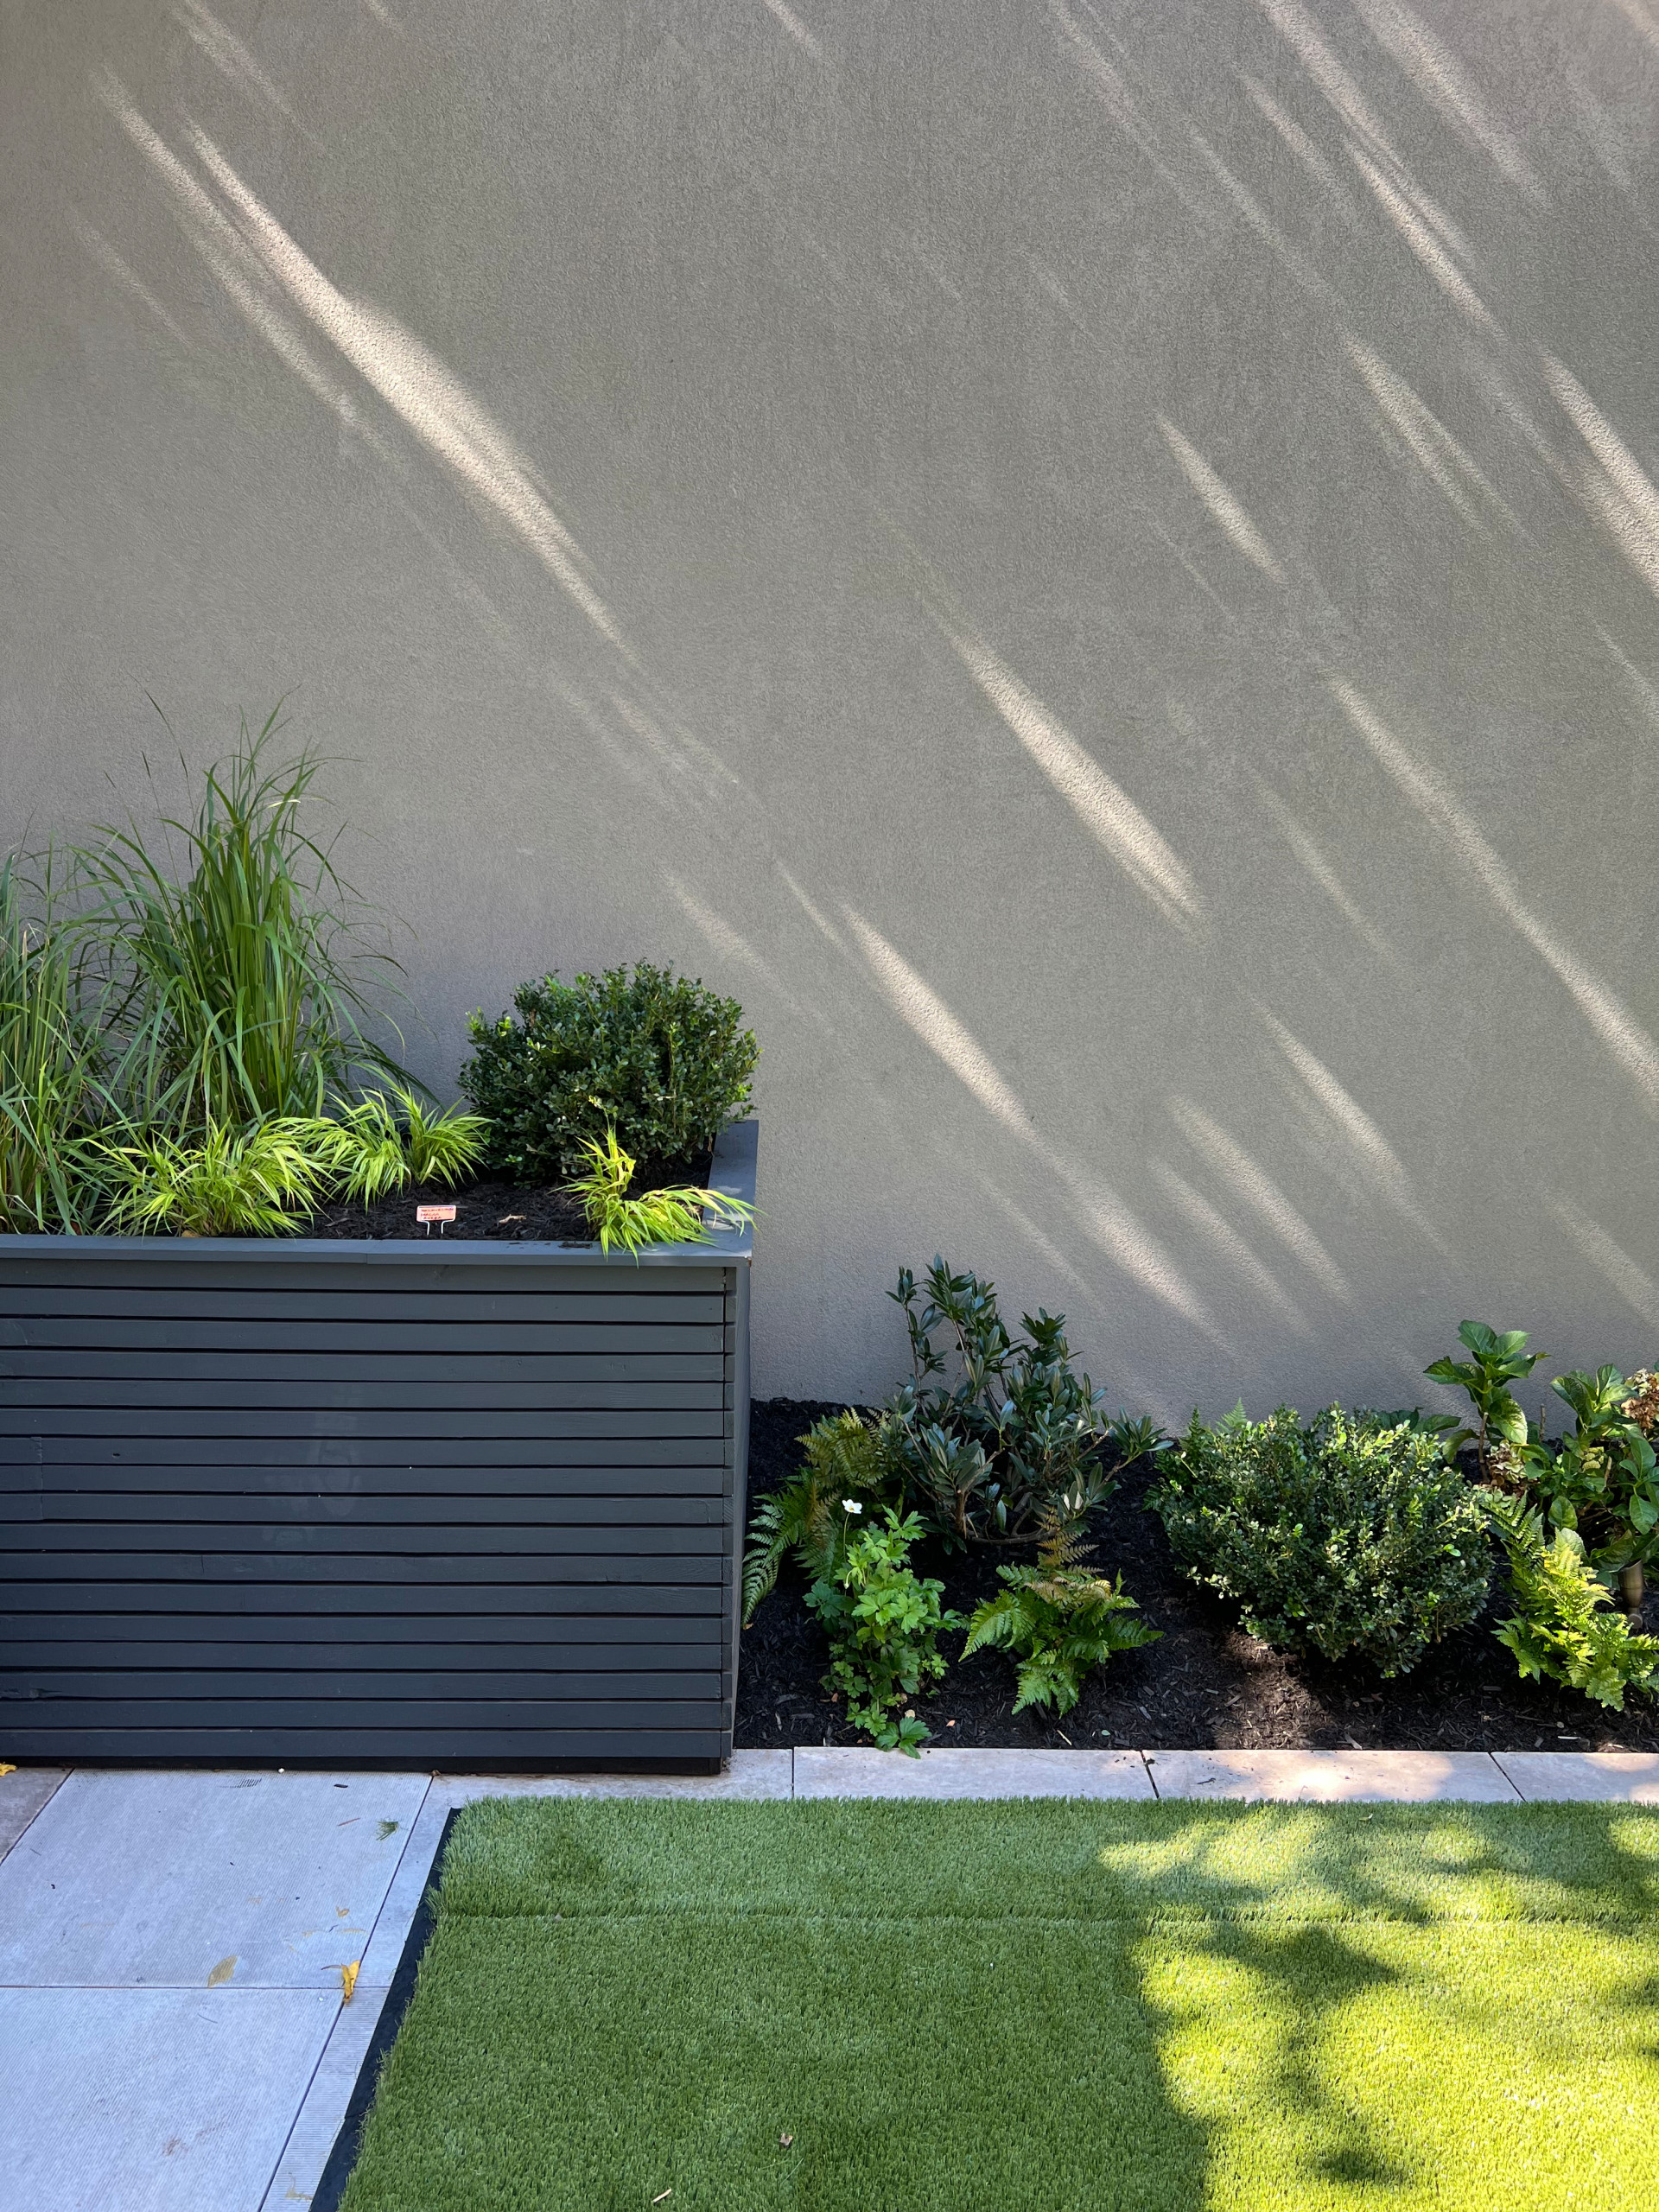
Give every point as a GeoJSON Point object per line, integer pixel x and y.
{"type": "Point", "coordinates": [1565, 1626]}
{"type": "Point", "coordinates": [843, 1473]}
{"type": "Point", "coordinates": [224, 1182]}
{"type": "Point", "coordinates": [883, 1622]}
{"type": "Point", "coordinates": [678, 1216]}
{"type": "Point", "coordinates": [1057, 1620]}
{"type": "Point", "coordinates": [390, 1139]}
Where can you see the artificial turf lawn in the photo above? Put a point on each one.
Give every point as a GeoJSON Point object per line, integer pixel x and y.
{"type": "Point", "coordinates": [1039, 2006]}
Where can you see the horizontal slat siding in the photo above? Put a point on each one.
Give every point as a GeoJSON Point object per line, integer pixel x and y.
{"type": "Point", "coordinates": [217, 1477]}
{"type": "Point", "coordinates": [396, 1671]}
{"type": "Point", "coordinates": [298, 1333]}
{"type": "Point", "coordinates": [483, 1745]}
{"type": "Point", "coordinates": [381, 1518]}
{"type": "Point", "coordinates": [348, 1594]}
{"type": "Point", "coordinates": [403, 1511]}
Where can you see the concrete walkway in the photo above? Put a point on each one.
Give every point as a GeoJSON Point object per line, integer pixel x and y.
{"type": "Point", "coordinates": [171, 1943]}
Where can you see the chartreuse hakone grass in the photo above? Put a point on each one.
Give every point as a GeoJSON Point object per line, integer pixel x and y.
{"type": "Point", "coordinates": [1027, 2007]}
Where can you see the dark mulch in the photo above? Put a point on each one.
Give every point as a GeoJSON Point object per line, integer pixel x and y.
{"type": "Point", "coordinates": [1205, 1683]}
{"type": "Point", "coordinates": [502, 1210]}
{"type": "Point", "coordinates": [508, 1210]}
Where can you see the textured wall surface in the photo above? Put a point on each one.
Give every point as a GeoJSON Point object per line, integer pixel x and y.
{"type": "Point", "coordinates": [1095, 563]}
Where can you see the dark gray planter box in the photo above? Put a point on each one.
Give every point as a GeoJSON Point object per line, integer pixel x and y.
{"type": "Point", "coordinates": [415, 1504]}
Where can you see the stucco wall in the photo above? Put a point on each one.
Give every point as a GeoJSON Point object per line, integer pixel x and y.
{"type": "Point", "coordinates": [1095, 563]}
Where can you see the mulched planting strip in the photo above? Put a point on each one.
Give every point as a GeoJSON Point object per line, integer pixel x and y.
{"type": "Point", "coordinates": [1204, 1685]}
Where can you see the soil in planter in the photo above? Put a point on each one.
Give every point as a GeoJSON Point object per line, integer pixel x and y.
{"type": "Point", "coordinates": [1204, 1684]}
{"type": "Point", "coordinates": [508, 1210]}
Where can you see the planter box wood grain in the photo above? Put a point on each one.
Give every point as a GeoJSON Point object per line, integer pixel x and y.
{"type": "Point", "coordinates": [420, 1504]}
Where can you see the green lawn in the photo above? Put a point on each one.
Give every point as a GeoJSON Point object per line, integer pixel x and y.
{"type": "Point", "coordinates": [1029, 2007]}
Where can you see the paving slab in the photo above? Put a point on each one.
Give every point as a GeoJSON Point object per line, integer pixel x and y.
{"type": "Point", "coordinates": [21, 1796]}
{"type": "Point", "coordinates": [202, 1880]}
{"type": "Point", "coordinates": [311, 2141]}
{"type": "Point", "coordinates": [1332, 1777]}
{"type": "Point", "coordinates": [152, 2099]}
{"type": "Point", "coordinates": [1608, 1777]}
{"type": "Point", "coordinates": [857, 1772]}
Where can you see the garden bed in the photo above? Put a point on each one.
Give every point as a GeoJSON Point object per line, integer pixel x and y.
{"type": "Point", "coordinates": [1205, 1683]}
{"type": "Point", "coordinates": [430, 1503]}
{"type": "Point", "coordinates": [509, 1212]}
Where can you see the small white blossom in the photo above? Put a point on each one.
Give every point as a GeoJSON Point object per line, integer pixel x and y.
{"type": "Point", "coordinates": [851, 1505]}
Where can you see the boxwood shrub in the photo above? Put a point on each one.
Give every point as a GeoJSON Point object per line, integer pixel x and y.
{"type": "Point", "coordinates": [652, 1055]}
{"type": "Point", "coordinates": [1352, 1537]}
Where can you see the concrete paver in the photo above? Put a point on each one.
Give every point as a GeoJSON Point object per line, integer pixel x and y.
{"type": "Point", "coordinates": [311, 2140]}
{"type": "Point", "coordinates": [1619, 1777]}
{"type": "Point", "coordinates": [856, 1772]}
{"type": "Point", "coordinates": [200, 1879]}
{"type": "Point", "coordinates": [22, 1794]}
{"type": "Point", "coordinates": [1332, 1777]}
{"type": "Point", "coordinates": [152, 2099]}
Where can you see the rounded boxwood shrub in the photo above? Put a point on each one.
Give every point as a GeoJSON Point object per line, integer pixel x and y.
{"type": "Point", "coordinates": [1352, 1537]}
{"type": "Point", "coordinates": [652, 1055]}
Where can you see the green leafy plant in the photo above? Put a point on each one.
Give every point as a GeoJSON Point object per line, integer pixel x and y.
{"type": "Point", "coordinates": [1058, 1620]}
{"type": "Point", "coordinates": [226, 1182]}
{"type": "Point", "coordinates": [1348, 1537]}
{"type": "Point", "coordinates": [50, 1092]}
{"type": "Point", "coordinates": [844, 1472]}
{"type": "Point", "coordinates": [676, 1216]}
{"type": "Point", "coordinates": [883, 1622]}
{"type": "Point", "coordinates": [1600, 1478]}
{"type": "Point", "coordinates": [651, 1055]}
{"type": "Point", "coordinates": [390, 1139]}
{"type": "Point", "coordinates": [231, 981]}
{"type": "Point", "coordinates": [1564, 1626]}
{"type": "Point", "coordinates": [996, 1438]}
{"type": "Point", "coordinates": [1495, 1361]}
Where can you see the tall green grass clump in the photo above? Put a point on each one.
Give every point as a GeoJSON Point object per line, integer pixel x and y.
{"type": "Point", "coordinates": [233, 987]}
{"type": "Point", "coordinates": [49, 1064]}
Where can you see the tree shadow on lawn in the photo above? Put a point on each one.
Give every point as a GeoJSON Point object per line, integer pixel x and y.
{"type": "Point", "coordinates": [1373, 2010]}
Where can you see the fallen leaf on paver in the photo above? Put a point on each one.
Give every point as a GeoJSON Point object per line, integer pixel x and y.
{"type": "Point", "coordinates": [222, 1971]}
{"type": "Point", "coordinates": [6, 1767]}
{"type": "Point", "coordinates": [348, 1979]}
{"type": "Point", "coordinates": [383, 1828]}
{"type": "Point", "coordinates": [342, 1912]}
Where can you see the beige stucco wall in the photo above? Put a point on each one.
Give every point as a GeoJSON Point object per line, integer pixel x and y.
{"type": "Point", "coordinates": [1095, 563]}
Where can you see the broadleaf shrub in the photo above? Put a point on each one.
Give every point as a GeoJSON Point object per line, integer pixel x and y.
{"type": "Point", "coordinates": [1350, 1536]}
{"type": "Point", "coordinates": [995, 1437]}
{"type": "Point", "coordinates": [654, 1055]}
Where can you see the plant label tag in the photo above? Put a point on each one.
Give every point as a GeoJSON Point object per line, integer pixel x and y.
{"type": "Point", "coordinates": [429, 1214]}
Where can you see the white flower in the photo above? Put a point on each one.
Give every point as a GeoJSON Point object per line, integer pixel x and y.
{"type": "Point", "coordinates": [851, 1505]}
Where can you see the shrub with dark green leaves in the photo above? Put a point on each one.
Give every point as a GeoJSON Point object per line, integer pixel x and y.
{"type": "Point", "coordinates": [1354, 1536]}
{"type": "Point", "coordinates": [650, 1054]}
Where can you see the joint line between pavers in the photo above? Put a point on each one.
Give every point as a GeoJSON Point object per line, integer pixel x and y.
{"type": "Point", "coordinates": [339, 2006]}
{"type": "Point", "coordinates": [38, 1810]}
